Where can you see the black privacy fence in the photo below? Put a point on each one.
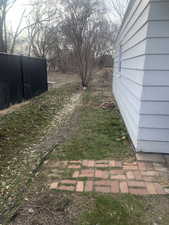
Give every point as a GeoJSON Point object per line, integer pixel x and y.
{"type": "Point", "coordinates": [21, 78]}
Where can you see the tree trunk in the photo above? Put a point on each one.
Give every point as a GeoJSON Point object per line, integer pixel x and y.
{"type": "Point", "coordinates": [1, 38]}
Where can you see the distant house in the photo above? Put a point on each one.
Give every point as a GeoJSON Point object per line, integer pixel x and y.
{"type": "Point", "coordinates": [141, 74]}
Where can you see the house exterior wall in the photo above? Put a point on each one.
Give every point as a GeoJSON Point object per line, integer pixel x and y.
{"type": "Point", "coordinates": [141, 74]}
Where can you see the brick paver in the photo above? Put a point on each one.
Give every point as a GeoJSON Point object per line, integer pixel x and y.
{"type": "Point", "coordinates": [102, 174]}
{"type": "Point", "coordinates": [130, 175]}
{"type": "Point", "coordinates": [68, 181]}
{"type": "Point", "coordinates": [89, 186]}
{"type": "Point", "coordinates": [141, 177]}
{"type": "Point", "coordinates": [87, 173]}
{"type": "Point", "coordinates": [75, 162]}
{"type": "Point", "coordinates": [74, 166]}
{"type": "Point", "coordinates": [141, 166]}
{"type": "Point", "coordinates": [138, 191]}
{"type": "Point", "coordinates": [88, 163]}
{"type": "Point", "coordinates": [118, 177]}
{"type": "Point", "coordinates": [115, 187]}
{"type": "Point", "coordinates": [102, 189]}
{"type": "Point", "coordinates": [124, 187]}
{"type": "Point", "coordinates": [115, 172]}
{"type": "Point", "coordinates": [150, 173]}
{"type": "Point", "coordinates": [138, 184]}
{"type": "Point", "coordinates": [160, 167]}
{"type": "Point", "coordinates": [102, 182]}
{"type": "Point", "coordinates": [54, 185]}
{"type": "Point", "coordinates": [151, 188]}
{"type": "Point", "coordinates": [80, 186]}
{"type": "Point", "coordinates": [138, 175]}
{"type": "Point", "coordinates": [76, 174]}
{"type": "Point", "coordinates": [66, 188]}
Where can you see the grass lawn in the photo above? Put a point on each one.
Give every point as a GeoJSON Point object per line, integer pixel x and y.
{"type": "Point", "coordinates": [18, 129]}
{"type": "Point", "coordinates": [65, 208]}
{"type": "Point", "coordinates": [114, 210]}
{"type": "Point", "coordinates": [126, 210]}
{"type": "Point", "coordinates": [19, 132]}
{"type": "Point", "coordinates": [97, 133]}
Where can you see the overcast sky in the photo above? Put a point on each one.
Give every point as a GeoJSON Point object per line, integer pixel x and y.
{"type": "Point", "coordinates": [16, 12]}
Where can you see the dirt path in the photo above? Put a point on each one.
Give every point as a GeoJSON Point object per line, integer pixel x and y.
{"type": "Point", "coordinates": [68, 186]}
{"type": "Point", "coordinates": [57, 79]}
{"type": "Point", "coordinates": [54, 134]}
{"type": "Point", "coordinates": [57, 126]}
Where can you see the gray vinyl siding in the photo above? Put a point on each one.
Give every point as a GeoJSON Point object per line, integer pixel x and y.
{"type": "Point", "coordinates": [128, 82]}
{"type": "Point", "coordinates": [141, 87]}
{"type": "Point", "coordinates": [154, 115]}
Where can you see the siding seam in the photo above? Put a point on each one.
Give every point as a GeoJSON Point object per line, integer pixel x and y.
{"type": "Point", "coordinates": [138, 17]}
{"type": "Point", "coordinates": [137, 69]}
{"type": "Point", "coordinates": [163, 115]}
{"type": "Point", "coordinates": [144, 84]}
{"type": "Point", "coordinates": [146, 54]}
{"type": "Point", "coordinates": [139, 42]}
{"type": "Point", "coordinates": [160, 141]}
{"type": "Point", "coordinates": [142, 26]}
{"type": "Point", "coordinates": [153, 128]}
{"type": "Point", "coordinates": [121, 31]}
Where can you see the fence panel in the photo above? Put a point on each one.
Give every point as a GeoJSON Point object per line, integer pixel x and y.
{"type": "Point", "coordinates": [21, 78]}
{"type": "Point", "coordinates": [4, 95]}
{"type": "Point", "coordinates": [11, 89]}
{"type": "Point", "coordinates": [34, 76]}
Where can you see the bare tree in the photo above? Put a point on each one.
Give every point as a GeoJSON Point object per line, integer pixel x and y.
{"type": "Point", "coordinates": [78, 40]}
{"type": "Point", "coordinates": [81, 27]}
{"type": "Point", "coordinates": [17, 33]}
{"type": "Point", "coordinates": [59, 51]}
{"type": "Point", "coordinates": [73, 33]}
{"type": "Point", "coordinates": [119, 7]}
{"type": "Point", "coordinates": [5, 6]}
{"type": "Point", "coordinates": [42, 18]}
{"type": "Point", "coordinates": [106, 38]}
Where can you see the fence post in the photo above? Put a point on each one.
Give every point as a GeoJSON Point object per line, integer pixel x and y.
{"type": "Point", "coordinates": [46, 72]}
{"type": "Point", "coordinates": [22, 76]}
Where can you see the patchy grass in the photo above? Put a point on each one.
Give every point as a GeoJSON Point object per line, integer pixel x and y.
{"type": "Point", "coordinates": [65, 208]}
{"type": "Point", "coordinates": [126, 210]}
{"type": "Point", "coordinates": [96, 133]}
{"type": "Point", "coordinates": [114, 210]}
{"type": "Point", "coordinates": [23, 126]}
{"type": "Point", "coordinates": [100, 133]}
{"type": "Point", "coordinates": [19, 132]}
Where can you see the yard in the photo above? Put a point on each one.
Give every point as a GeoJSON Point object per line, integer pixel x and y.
{"type": "Point", "coordinates": [67, 124]}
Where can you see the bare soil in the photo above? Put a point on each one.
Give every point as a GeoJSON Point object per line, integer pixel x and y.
{"type": "Point", "coordinates": [12, 108]}
{"type": "Point", "coordinates": [58, 79]}
{"type": "Point", "coordinates": [52, 209]}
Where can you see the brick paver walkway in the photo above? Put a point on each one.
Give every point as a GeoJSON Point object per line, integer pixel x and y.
{"type": "Point", "coordinates": [149, 174]}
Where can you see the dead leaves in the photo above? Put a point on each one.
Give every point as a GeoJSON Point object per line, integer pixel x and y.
{"type": "Point", "coordinates": [107, 105]}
